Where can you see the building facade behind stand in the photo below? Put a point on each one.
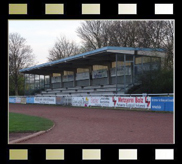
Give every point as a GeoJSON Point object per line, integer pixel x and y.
{"type": "Point", "coordinates": [118, 67]}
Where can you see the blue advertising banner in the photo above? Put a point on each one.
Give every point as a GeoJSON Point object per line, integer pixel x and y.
{"type": "Point", "coordinates": [162, 103]}
{"type": "Point", "coordinates": [30, 100]}
{"type": "Point", "coordinates": [12, 99]}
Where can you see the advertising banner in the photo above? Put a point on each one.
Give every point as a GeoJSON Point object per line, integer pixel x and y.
{"type": "Point", "coordinates": [67, 78]}
{"type": "Point", "coordinates": [60, 100]}
{"type": "Point", "coordinates": [23, 100]}
{"type": "Point", "coordinates": [56, 79]}
{"type": "Point", "coordinates": [94, 101]}
{"type": "Point", "coordinates": [99, 74]}
{"type": "Point", "coordinates": [12, 99]}
{"type": "Point", "coordinates": [80, 101]}
{"type": "Point", "coordinates": [44, 100]}
{"type": "Point", "coordinates": [162, 103]}
{"type": "Point", "coordinates": [30, 100]}
{"type": "Point", "coordinates": [125, 102]}
{"type": "Point", "coordinates": [106, 101]}
{"type": "Point", "coordinates": [82, 76]}
{"type": "Point", "coordinates": [120, 71]}
{"type": "Point", "coordinates": [18, 100]}
{"type": "Point", "coordinates": [100, 101]}
{"type": "Point", "coordinates": [133, 102]}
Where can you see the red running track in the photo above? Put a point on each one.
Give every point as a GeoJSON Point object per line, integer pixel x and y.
{"type": "Point", "coordinates": [88, 125]}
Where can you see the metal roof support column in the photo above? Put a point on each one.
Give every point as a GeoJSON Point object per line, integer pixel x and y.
{"type": "Point", "coordinates": [44, 82]}
{"type": "Point", "coordinates": [39, 82]}
{"type": "Point", "coordinates": [133, 77]}
{"type": "Point", "coordinates": [150, 64]}
{"type": "Point", "coordinates": [142, 64]}
{"type": "Point", "coordinates": [34, 82]}
{"type": "Point", "coordinates": [50, 77]}
{"type": "Point", "coordinates": [74, 78]}
{"type": "Point", "coordinates": [62, 73]}
{"type": "Point", "coordinates": [116, 70]}
{"type": "Point", "coordinates": [124, 73]}
{"type": "Point", "coordinates": [109, 73]}
{"type": "Point", "coordinates": [90, 75]}
{"type": "Point", "coordinates": [159, 63]}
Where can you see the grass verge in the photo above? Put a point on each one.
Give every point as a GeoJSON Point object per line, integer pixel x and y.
{"type": "Point", "coordinates": [24, 123]}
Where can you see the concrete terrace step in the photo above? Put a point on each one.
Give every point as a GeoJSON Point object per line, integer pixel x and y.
{"type": "Point", "coordinates": [59, 89]}
{"type": "Point", "coordinates": [97, 89]}
{"type": "Point", "coordinates": [106, 89]}
{"type": "Point", "coordinates": [74, 91]}
{"type": "Point", "coordinates": [92, 87]}
{"type": "Point", "coordinates": [86, 90]}
{"type": "Point", "coordinates": [75, 88]}
{"type": "Point", "coordinates": [54, 91]}
{"type": "Point", "coordinates": [101, 93]}
{"type": "Point", "coordinates": [50, 91]}
{"type": "Point", "coordinates": [109, 86]}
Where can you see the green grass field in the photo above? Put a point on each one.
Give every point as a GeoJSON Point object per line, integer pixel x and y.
{"type": "Point", "coordinates": [25, 123]}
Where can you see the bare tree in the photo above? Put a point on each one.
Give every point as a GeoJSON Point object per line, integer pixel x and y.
{"type": "Point", "coordinates": [63, 48]}
{"type": "Point", "coordinates": [148, 34]}
{"type": "Point", "coordinates": [94, 34]}
{"type": "Point", "coordinates": [20, 56]}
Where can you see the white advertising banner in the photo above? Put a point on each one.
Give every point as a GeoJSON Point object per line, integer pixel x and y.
{"type": "Point", "coordinates": [56, 79]}
{"type": "Point", "coordinates": [120, 71]}
{"type": "Point", "coordinates": [67, 78]}
{"type": "Point", "coordinates": [99, 74]}
{"type": "Point", "coordinates": [45, 100]}
{"type": "Point", "coordinates": [100, 101]}
{"type": "Point", "coordinates": [125, 102]}
{"type": "Point", "coordinates": [18, 99]}
{"type": "Point", "coordinates": [80, 101]}
{"type": "Point", "coordinates": [82, 76]}
{"type": "Point", "coordinates": [94, 101]}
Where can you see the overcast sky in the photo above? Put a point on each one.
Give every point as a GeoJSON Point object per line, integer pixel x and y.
{"type": "Point", "coordinates": [42, 34]}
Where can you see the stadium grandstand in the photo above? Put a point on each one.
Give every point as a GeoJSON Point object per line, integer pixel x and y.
{"type": "Point", "coordinates": [104, 71]}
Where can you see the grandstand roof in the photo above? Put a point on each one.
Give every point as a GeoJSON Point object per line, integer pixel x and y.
{"type": "Point", "coordinates": [90, 58]}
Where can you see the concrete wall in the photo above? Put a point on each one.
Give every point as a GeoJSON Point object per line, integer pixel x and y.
{"type": "Point", "coordinates": [120, 79]}
{"type": "Point", "coordinates": [82, 83]}
{"type": "Point", "coordinates": [100, 81]}
{"type": "Point", "coordinates": [68, 84]}
{"type": "Point", "coordinates": [56, 85]}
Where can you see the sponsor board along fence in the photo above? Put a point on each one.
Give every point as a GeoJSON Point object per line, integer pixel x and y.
{"type": "Point", "coordinates": [143, 101]}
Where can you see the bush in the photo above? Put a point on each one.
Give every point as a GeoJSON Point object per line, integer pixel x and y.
{"type": "Point", "coordinates": [154, 82]}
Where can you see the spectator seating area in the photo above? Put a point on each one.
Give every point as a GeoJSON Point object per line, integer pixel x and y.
{"type": "Point", "coordinates": [84, 90]}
